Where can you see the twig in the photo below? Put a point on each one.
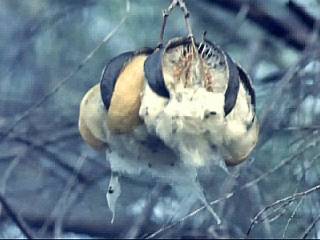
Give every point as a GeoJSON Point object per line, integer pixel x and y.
{"type": "Point", "coordinates": [145, 216]}
{"type": "Point", "coordinates": [237, 23]}
{"type": "Point", "coordinates": [288, 29]}
{"type": "Point", "coordinates": [282, 212]}
{"type": "Point", "coordinates": [301, 13]}
{"type": "Point", "coordinates": [310, 227]}
{"type": "Point", "coordinates": [282, 208]}
{"type": "Point", "coordinates": [36, 105]}
{"type": "Point", "coordinates": [291, 217]}
{"type": "Point", "coordinates": [310, 53]}
{"type": "Point", "coordinates": [255, 195]}
{"type": "Point", "coordinates": [67, 199]}
{"type": "Point", "coordinates": [7, 174]}
{"type": "Point", "coordinates": [69, 202]}
{"type": "Point", "coordinates": [62, 138]}
{"type": "Point", "coordinates": [54, 158]}
{"type": "Point", "coordinates": [281, 201]}
{"type": "Point", "coordinates": [298, 128]}
{"type": "Point", "coordinates": [166, 13]}
{"type": "Point", "coordinates": [281, 164]}
{"type": "Point", "coordinates": [16, 218]}
{"type": "Point", "coordinates": [283, 83]}
{"type": "Point", "coordinates": [231, 194]}
{"type": "Point", "coordinates": [63, 198]}
{"type": "Point", "coordinates": [33, 28]}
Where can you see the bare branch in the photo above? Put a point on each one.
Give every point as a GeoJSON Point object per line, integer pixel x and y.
{"type": "Point", "coordinates": [279, 202]}
{"type": "Point", "coordinates": [58, 213]}
{"type": "Point", "coordinates": [16, 218]}
{"type": "Point", "coordinates": [310, 227]}
{"type": "Point", "coordinates": [291, 217]}
{"type": "Point", "coordinates": [55, 158]}
{"type": "Point", "coordinates": [135, 230]}
{"type": "Point", "coordinates": [249, 184]}
{"type": "Point", "coordinates": [67, 199]}
{"type": "Point", "coordinates": [290, 29]}
{"type": "Point", "coordinates": [54, 90]}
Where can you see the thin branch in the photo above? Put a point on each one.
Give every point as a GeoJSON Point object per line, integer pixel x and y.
{"type": "Point", "coordinates": [282, 208]}
{"type": "Point", "coordinates": [249, 184]}
{"type": "Point", "coordinates": [299, 128]}
{"type": "Point", "coordinates": [16, 218]}
{"type": "Point", "coordinates": [288, 29]}
{"type": "Point", "coordinates": [36, 105]}
{"type": "Point", "coordinates": [67, 199]}
{"type": "Point", "coordinates": [135, 230]}
{"type": "Point", "coordinates": [269, 106]}
{"type": "Point", "coordinates": [8, 172]}
{"type": "Point", "coordinates": [237, 24]}
{"type": "Point", "coordinates": [54, 158]}
{"type": "Point", "coordinates": [291, 217]}
{"type": "Point", "coordinates": [282, 212]}
{"type": "Point", "coordinates": [301, 13]}
{"type": "Point", "coordinates": [68, 204]}
{"type": "Point", "coordinates": [56, 212]}
{"type": "Point", "coordinates": [281, 164]}
{"type": "Point", "coordinates": [32, 28]}
{"type": "Point", "coordinates": [310, 227]}
{"type": "Point", "coordinates": [255, 196]}
{"type": "Point", "coordinates": [281, 201]}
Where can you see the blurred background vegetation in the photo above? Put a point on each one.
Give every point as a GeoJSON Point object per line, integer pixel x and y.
{"type": "Point", "coordinates": [56, 184]}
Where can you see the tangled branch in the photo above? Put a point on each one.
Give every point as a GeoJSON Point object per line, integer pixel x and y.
{"type": "Point", "coordinates": [36, 105]}
{"type": "Point", "coordinates": [282, 201]}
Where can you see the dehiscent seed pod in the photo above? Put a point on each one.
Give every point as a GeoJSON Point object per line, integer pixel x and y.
{"type": "Point", "coordinates": [186, 69]}
{"type": "Point", "coordinates": [205, 68]}
{"type": "Point", "coordinates": [121, 85]}
{"type": "Point", "coordinates": [113, 105]}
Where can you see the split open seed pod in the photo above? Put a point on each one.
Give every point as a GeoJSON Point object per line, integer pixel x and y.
{"type": "Point", "coordinates": [190, 64]}
{"type": "Point", "coordinates": [91, 119]}
{"type": "Point", "coordinates": [121, 84]}
{"type": "Point", "coordinates": [242, 128]}
{"type": "Point", "coordinates": [210, 67]}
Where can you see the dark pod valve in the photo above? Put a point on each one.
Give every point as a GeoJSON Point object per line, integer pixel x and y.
{"type": "Point", "coordinates": [216, 66]}
{"type": "Point", "coordinates": [110, 76]}
{"type": "Point", "coordinates": [112, 71]}
{"type": "Point", "coordinates": [121, 84]}
{"type": "Point", "coordinates": [247, 83]}
{"type": "Point", "coordinates": [154, 75]}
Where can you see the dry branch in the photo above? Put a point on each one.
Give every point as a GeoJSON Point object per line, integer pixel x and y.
{"type": "Point", "coordinates": [279, 202]}
{"type": "Point", "coordinates": [310, 227]}
{"type": "Point", "coordinates": [54, 158]}
{"type": "Point", "coordinates": [249, 184]}
{"type": "Point", "coordinates": [54, 90]}
{"type": "Point", "coordinates": [266, 118]}
{"type": "Point", "coordinates": [59, 211]}
{"type": "Point", "coordinates": [291, 217]}
{"type": "Point", "coordinates": [301, 13]}
{"type": "Point", "coordinates": [290, 29]}
{"type": "Point", "coordinates": [16, 218]}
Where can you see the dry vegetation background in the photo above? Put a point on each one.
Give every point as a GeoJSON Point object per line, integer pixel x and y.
{"type": "Point", "coordinates": [53, 185]}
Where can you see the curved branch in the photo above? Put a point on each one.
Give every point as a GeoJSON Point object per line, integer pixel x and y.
{"type": "Point", "coordinates": [16, 218]}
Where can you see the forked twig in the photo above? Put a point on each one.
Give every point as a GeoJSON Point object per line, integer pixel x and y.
{"type": "Point", "coordinates": [167, 12]}
{"type": "Point", "coordinates": [279, 202]}
{"type": "Point", "coordinates": [291, 217]}
{"type": "Point", "coordinates": [229, 195]}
